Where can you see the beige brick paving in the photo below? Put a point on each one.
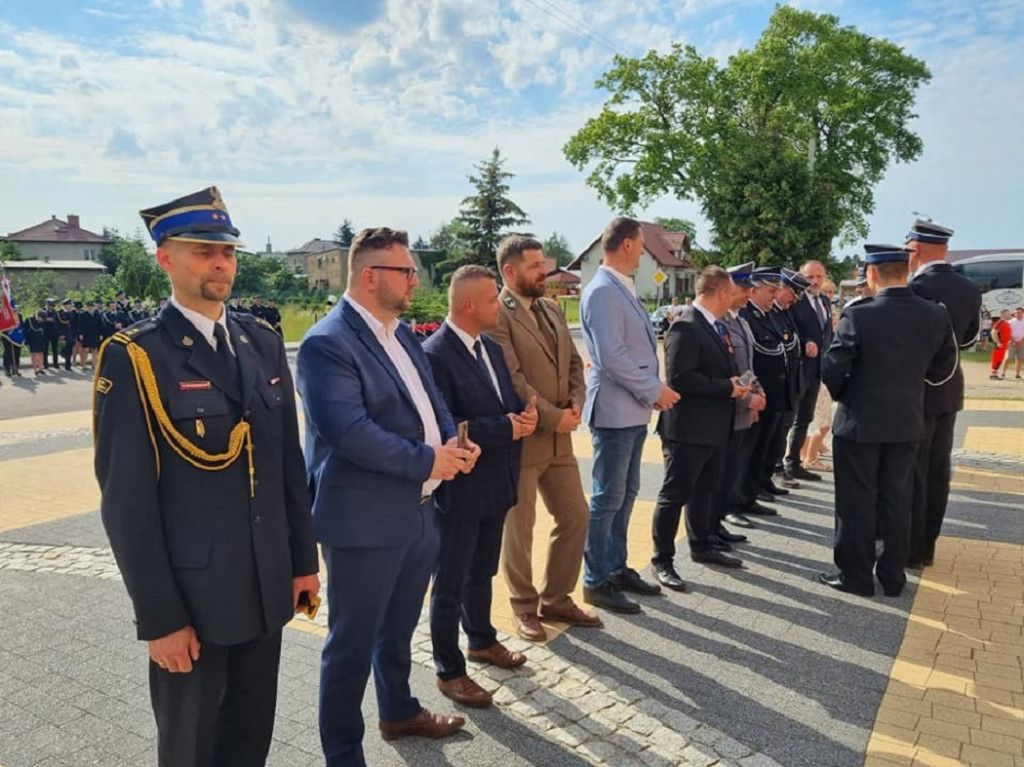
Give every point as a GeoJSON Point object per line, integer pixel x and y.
{"type": "Point", "coordinates": [994, 439]}
{"type": "Point", "coordinates": [956, 691]}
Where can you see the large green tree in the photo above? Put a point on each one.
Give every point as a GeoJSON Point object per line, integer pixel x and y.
{"type": "Point", "coordinates": [557, 247]}
{"type": "Point", "coordinates": [782, 146]}
{"type": "Point", "coordinates": [345, 233]}
{"type": "Point", "coordinates": [489, 214]}
{"type": "Point", "coordinates": [136, 269]}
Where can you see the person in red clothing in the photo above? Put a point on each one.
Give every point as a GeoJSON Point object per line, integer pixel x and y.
{"type": "Point", "coordinates": [1001, 335]}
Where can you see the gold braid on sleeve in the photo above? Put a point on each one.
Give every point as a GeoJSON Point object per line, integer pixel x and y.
{"type": "Point", "coordinates": [153, 409]}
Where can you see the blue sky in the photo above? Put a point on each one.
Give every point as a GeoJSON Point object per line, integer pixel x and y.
{"type": "Point", "coordinates": [305, 112]}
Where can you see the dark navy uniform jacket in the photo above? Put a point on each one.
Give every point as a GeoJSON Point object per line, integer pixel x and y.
{"type": "Point", "coordinates": [193, 546]}
{"type": "Point", "coordinates": [883, 350]}
{"type": "Point", "coordinates": [771, 362]}
{"type": "Point", "coordinates": [962, 299]}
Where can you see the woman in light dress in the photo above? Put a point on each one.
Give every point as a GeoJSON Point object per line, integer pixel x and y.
{"type": "Point", "coordinates": [814, 444]}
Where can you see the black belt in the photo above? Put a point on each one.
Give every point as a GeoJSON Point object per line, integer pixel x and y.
{"type": "Point", "coordinates": [425, 499]}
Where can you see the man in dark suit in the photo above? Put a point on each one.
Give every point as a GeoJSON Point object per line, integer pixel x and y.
{"type": "Point", "coordinates": [812, 317]}
{"type": "Point", "coordinates": [935, 280]}
{"type": "Point", "coordinates": [694, 433]}
{"type": "Point", "coordinates": [379, 441]}
{"type": "Point", "coordinates": [771, 365]}
{"type": "Point", "coordinates": [878, 378]}
{"type": "Point", "coordinates": [204, 496]}
{"type": "Point", "coordinates": [731, 502]}
{"type": "Point", "coordinates": [471, 373]}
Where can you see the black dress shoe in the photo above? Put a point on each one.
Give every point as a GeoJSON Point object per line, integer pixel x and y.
{"type": "Point", "coordinates": [717, 544]}
{"type": "Point", "coordinates": [610, 597]}
{"type": "Point", "coordinates": [738, 520]}
{"type": "Point", "coordinates": [764, 511]}
{"type": "Point", "coordinates": [836, 581]}
{"type": "Point", "coordinates": [799, 472]}
{"type": "Point", "coordinates": [715, 558]}
{"type": "Point", "coordinates": [669, 578]}
{"type": "Point", "coordinates": [787, 480]}
{"type": "Point", "coordinates": [892, 591]}
{"type": "Point", "coordinates": [630, 580]}
{"type": "Point", "coordinates": [772, 489]}
{"type": "Point", "coordinates": [728, 537]}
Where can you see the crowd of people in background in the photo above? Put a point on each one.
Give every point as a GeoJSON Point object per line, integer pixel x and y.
{"type": "Point", "coordinates": [1006, 332]}
{"type": "Point", "coordinates": [67, 334]}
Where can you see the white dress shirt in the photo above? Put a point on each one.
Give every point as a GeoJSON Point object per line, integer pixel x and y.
{"type": "Point", "coordinates": [204, 324]}
{"type": "Point", "coordinates": [410, 376]}
{"type": "Point", "coordinates": [470, 342]}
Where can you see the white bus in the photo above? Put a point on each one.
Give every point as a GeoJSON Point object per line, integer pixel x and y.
{"type": "Point", "coordinates": [999, 276]}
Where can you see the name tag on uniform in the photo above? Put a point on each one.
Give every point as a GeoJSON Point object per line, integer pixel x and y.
{"type": "Point", "coordinates": [194, 385]}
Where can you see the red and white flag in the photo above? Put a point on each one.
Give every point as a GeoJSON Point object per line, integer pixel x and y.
{"type": "Point", "coordinates": [8, 317]}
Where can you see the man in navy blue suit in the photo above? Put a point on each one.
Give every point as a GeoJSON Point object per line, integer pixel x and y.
{"type": "Point", "coordinates": [379, 441]}
{"type": "Point", "coordinates": [471, 373]}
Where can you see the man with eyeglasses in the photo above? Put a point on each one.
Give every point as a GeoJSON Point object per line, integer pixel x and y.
{"type": "Point", "coordinates": [379, 441]}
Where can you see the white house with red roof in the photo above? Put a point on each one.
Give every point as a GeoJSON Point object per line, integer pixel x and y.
{"type": "Point", "coordinates": [665, 253]}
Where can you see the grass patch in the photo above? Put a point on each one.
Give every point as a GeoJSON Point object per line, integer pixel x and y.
{"type": "Point", "coordinates": [295, 321]}
{"type": "Point", "coordinates": [571, 306]}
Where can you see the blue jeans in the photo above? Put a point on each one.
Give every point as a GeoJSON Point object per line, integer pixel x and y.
{"type": "Point", "coordinates": [616, 479]}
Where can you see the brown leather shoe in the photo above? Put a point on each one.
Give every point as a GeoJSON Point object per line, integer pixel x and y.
{"type": "Point", "coordinates": [464, 690]}
{"type": "Point", "coordinates": [571, 614]}
{"type": "Point", "coordinates": [424, 725]}
{"type": "Point", "coordinates": [528, 627]}
{"type": "Point", "coordinates": [498, 655]}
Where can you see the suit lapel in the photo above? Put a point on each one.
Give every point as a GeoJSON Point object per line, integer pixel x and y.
{"type": "Point", "coordinates": [638, 307]}
{"type": "Point", "coordinates": [518, 312]}
{"type": "Point", "coordinates": [412, 348]}
{"type": "Point", "coordinates": [468, 359]}
{"type": "Point", "coordinates": [719, 343]}
{"type": "Point", "coordinates": [202, 358]}
{"type": "Point", "coordinates": [369, 340]}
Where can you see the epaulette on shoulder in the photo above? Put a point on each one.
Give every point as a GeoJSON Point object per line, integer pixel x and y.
{"type": "Point", "coordinates": [136, 331]}
{"type": "Point", "coordinates": [241, 317]}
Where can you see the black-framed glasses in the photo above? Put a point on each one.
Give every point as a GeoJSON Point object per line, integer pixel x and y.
{"type": "Point", "coordinates": [408, 271]}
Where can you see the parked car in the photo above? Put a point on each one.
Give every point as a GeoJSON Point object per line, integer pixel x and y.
{"type": "Point", "coordinates": [659, 320]}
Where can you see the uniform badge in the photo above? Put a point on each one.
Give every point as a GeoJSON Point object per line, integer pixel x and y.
{"type": "Point", "coordinates": [104, 385]}
{"type": "Point", "coordinates": [510, 302]}
{"type": "Point", "coordinates": [243, 339]}
{"type": "Point", "coordinates": [186, 341]}
{"type": "Point", "coordinates": [275, 380]}
{"type": "Point", "coordinates": [194, 385]}
{"type": "Point", "coordinates": [200, 428]}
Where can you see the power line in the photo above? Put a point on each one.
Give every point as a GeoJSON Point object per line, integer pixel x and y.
{"type": "Point", "coordinates": [558, 15]}
{"type": "Point", "coordinates": [588, 29]}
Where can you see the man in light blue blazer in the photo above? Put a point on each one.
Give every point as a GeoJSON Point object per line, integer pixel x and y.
{"type": "Point", "coordinates": [623, 387]}
{"type": "Point", "coordinates": [379, 441]}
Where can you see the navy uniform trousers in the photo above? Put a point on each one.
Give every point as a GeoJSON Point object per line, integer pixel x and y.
{"type": "Point", "coordinates": [470, 550]}
{"type": "Point", "coordinates": [872, 478]}
{"type": "Point", "coordinates": [388, 584]}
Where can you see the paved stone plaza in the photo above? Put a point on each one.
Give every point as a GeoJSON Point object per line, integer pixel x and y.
{"type": "Point", "coordinates": [755, 667]}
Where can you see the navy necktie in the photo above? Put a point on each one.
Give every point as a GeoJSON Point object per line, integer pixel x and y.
{"type": "Point", "coordinates": [227, 359]}
{"type": "Point", "coordinates": [724, 335]}
{"type": "Point", "coordinates": [478, 349]}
